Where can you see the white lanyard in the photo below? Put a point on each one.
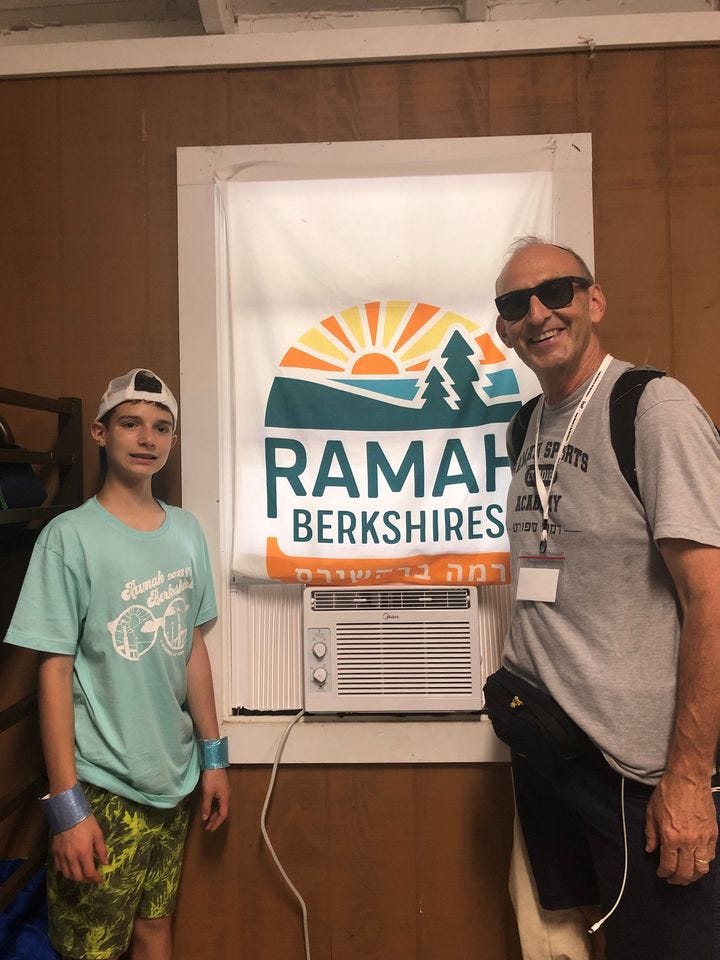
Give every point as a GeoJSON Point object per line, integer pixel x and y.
{"type": "Point", "coordinates": [544, 491]}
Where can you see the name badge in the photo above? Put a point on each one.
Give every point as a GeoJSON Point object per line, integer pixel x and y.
{"type": "Point", "coordinates": [538, 578]}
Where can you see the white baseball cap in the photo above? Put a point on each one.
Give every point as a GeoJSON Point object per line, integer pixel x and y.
{"type": "Point", "coordinates": [138, 384]}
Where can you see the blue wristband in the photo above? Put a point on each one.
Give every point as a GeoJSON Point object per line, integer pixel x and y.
{"type": "Point", "coordinates": [214, 754]}
{"type": "Point", "coordinates": [66, 809]}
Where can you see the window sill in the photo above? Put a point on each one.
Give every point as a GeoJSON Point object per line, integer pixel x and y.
{"type": "Point", "coordinates": [336, 740]}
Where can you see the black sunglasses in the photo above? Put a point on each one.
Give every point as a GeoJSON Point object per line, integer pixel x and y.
{"type": "Point", "coordinates": [554, 293]}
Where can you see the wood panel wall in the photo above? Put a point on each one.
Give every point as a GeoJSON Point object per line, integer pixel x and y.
{"type": "Point", "coordinates": [394, 861]}
{"type": "Point", "coordinates": [406, 862]}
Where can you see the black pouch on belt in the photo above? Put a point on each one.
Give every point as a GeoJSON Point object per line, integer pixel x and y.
{"type": "Point", "coordinates": [531, 722]}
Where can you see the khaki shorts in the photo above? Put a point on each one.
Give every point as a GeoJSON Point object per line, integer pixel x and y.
{"type": "Point", "coordinates": [88, 921]}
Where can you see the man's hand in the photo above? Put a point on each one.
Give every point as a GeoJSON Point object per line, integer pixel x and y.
{"type": "Point", "coordinates": [76, 850]}
{"type": "Point", "coordinates": [681, 822]}
{"type": "Point", "coordinates": [215, 798]}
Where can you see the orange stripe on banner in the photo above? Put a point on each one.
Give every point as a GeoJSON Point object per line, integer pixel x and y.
{"type": "Point", "coordinates": [419, 366]}
{"type": "Point", "coordinates": [441, 568]}
{"type": "Point", "coordinates": [333, 326]}
{"type": "Point", "coordinates": [298, 358]}
{"type": "Point", "coordinates": [372, 312]}
{"type": "Point", "coordinates": [490, 353]}
{"type": "Point", "coordinates": [420, 316]}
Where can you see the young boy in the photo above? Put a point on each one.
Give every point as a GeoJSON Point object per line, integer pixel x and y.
{"type": "Point", "coordinates": [114, 599]}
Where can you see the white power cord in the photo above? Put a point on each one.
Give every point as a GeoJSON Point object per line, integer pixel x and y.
{"type": "Point", "coordinates": [596, 926]}
{"type": "Point", "coordinates": [266, 838]}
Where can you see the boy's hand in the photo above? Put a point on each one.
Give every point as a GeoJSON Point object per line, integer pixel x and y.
{"type": "Point", "coordinates": [215, 798]}
{"type": "Point", "coordinates": [76, 850]}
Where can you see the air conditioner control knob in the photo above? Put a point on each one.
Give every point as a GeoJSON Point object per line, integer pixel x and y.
{"type": "Point", "coordinates": [319, 649]}
{"type": "Point", "coordinates": [319, 675]}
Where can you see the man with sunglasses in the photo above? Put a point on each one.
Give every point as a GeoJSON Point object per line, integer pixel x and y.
{"type": "Point", "coordinates": [617, 617]}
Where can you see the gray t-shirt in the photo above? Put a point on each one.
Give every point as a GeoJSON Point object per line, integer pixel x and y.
{"type": "Point", "coordinates": [607, 648]}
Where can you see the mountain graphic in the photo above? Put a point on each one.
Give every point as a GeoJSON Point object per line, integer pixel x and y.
{"type": "Point", "coordinates": [302, 404]}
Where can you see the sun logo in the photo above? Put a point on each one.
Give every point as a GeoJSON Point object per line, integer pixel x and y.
{"type": "Point", "coordinates": [396, 365]}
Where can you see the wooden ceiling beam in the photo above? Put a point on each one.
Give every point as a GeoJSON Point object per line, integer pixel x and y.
{"type": "Point", "coordinates": [217, 16]}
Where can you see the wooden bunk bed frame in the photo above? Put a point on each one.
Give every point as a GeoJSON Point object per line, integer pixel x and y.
{"type": "Point", "coordinates": [66, 455]}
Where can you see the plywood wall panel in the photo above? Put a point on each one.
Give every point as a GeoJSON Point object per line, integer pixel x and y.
{"type": "Point", "coordinates": [463, 909]}
{"type": "Point", "coordinates": [297, 827]}
{"type": "Point", "coordinates": [621, 96]}
{"type": "Point", "coordinates": [397, 861]}
{"type": "Point", "coordinates": [621, 100]}
{"type": "Point", "coordinates": [694, 204]}
{"type": "Point", "coordinates": [104, 235]}
{"type": "Point", "coordinates": [358, 102]}
{"type": "Point", "coordinates": [371, 820]}
{"type": "Point", "coordinates": [273, 105]}
{"type": "Point", "coordinates": [30, 246]}
{"type": "Point", "coordinates": [693, 112]}
{"type": "Point", "coordinates": [179, 110]}
{"type": "Point", "coordinates": [444, 98]}
{"type": "Point", "coordinates": [632, 266]}
{"type": "Point", "coordinates": [532, 95]}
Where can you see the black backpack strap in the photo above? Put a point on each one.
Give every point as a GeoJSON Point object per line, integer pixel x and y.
{"type": "Point", "coordinates": [518, 429]}
{"type": "Point", "coordinates": [624, 400]}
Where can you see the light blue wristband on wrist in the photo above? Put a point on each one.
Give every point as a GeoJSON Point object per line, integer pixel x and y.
{"type": "Point", "coordinates": [214, 754]}
{"type": "Point", "coordinates": [66, 809]}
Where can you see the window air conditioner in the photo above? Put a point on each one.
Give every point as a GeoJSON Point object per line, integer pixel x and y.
{"type": "Point", "coordinates": [391, 649]}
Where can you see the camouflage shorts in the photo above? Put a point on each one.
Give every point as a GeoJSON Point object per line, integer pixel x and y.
{"type": "Point", "coordinates": [145, 846]}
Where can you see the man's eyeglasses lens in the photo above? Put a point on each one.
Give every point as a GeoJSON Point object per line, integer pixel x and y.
{"type": "Point", "coordinates": [554, 293]}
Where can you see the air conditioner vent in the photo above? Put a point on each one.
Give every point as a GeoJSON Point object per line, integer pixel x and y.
{"type": "Point", "coordinates": [404, 659]}
{"type": "Point", "coordinates": [452, 598]}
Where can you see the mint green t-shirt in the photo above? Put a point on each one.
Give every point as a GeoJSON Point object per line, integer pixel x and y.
{"type": "Point", "coordinates": [123, 603]}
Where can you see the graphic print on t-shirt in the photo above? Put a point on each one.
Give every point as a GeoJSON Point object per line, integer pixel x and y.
{"type": "Point", "coordinates": [527, 501]}
{"type": "Point", "coordinates": [135, 631]}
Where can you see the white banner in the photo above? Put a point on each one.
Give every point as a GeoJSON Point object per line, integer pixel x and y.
{"type": "Point", "coordinates": [371, 393]}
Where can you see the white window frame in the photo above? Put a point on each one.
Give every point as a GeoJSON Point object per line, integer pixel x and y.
{"type": "Point", "coordinates": [205, 490]}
